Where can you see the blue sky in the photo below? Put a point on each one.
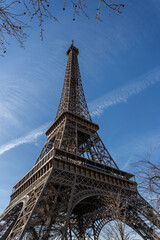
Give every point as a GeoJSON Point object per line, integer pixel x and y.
{"type": "Point", "coordinates": [120, 69]}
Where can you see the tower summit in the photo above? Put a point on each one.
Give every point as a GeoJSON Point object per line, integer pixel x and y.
{"type": "Point", "coordinates": [72, 187]}
{"type": "Point", "coordinates": [72, 97]}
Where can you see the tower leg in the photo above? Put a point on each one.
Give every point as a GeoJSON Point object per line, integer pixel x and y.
{"type": "Point", "coordinates": [64, 236]}
{"type": "Point", "coordinates": [21, 222]}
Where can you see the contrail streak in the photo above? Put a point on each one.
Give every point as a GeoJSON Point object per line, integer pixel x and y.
{"type": "Point", "coordinates": [97, 106]}
{"type": "Point", "coordinates": [29, 138]}
{"type": "Point", "coordinates": [122, 94]}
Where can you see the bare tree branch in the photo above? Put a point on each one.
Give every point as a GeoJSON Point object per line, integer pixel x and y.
{"type": "Point", "coordinates": [12, 25]}
{"type": "Point", "coordinates": [110, 6]}
{"type": "Point", "coordinates": [148, 173]}
{"type": "Point", "coordinates": [117, 229]}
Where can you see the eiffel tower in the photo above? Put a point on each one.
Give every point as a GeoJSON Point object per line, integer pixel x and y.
{"type": "Point", "coordinates": [70, 189]}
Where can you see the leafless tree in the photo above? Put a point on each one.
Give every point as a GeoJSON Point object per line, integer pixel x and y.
{"type": "Point", "coordinates": [148, 173]}
{"type": "Point", "coordinates": [12, 24]}
{"type": "Point", "coordinates": [117, 229]}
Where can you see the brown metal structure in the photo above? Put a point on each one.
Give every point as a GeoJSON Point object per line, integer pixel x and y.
{"type": "Point", "coordinates": [68, 192]}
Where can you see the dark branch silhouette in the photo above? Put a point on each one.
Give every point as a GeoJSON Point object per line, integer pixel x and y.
{"type": "Point", "coordinates": [12, 22]}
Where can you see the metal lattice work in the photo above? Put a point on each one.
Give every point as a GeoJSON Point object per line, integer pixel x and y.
{"type": "Point", "coordinates": [72, 97]}
{"type": "Point", "coordinates": [77, 138]}
{"type": "Point", "coordinates": [70, 192]}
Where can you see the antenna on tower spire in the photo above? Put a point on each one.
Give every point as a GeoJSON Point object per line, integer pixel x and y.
{"type": "Point", "coordinates": [73, 42]}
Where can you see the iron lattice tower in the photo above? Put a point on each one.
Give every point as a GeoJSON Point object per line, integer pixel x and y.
{"type": "Point", "coordinates": [74, 182]}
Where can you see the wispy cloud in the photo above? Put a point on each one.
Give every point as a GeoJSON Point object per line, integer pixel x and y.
{"type": "Point", "coordinates": [122, 94]}
{"type": "Point", "coordinates": [15, 97]}
{"type": "Point", "coordinates": [22, 90]}
{"type": "Point", "coordinates": [29, 138]}
{"type": "Point", "coordinates": [137, 148]}
{"type": "Point", "coordinates": [97, 106]}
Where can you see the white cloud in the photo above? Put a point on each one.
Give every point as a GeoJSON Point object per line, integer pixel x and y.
{"type": "Point", "coordinates": [29, 138]}
{"type": "Point", "coordinates": [122, 94]}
